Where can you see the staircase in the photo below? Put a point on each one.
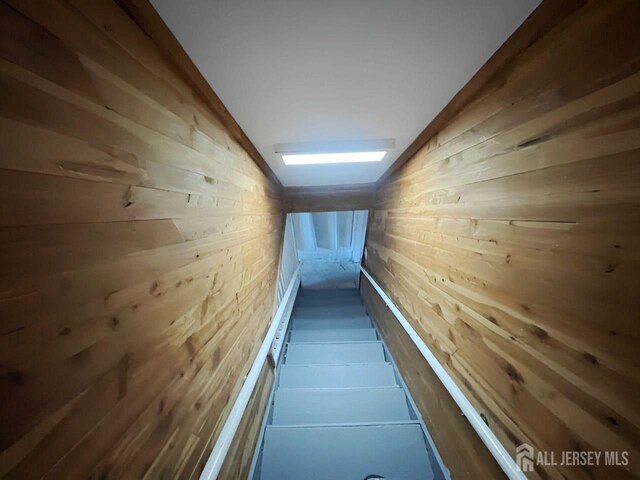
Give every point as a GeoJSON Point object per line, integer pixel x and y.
{"type": "Point", "coordinates": [340, 410]}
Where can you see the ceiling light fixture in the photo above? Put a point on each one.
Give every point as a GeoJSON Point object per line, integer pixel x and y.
{"type": "Point", "coordinates": [316, 153]}
{"type": "Point", "coordinates": [338, 157]}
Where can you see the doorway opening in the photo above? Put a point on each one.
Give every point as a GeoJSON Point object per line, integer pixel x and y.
{"type": "Point", "coordinates": [330, 247]}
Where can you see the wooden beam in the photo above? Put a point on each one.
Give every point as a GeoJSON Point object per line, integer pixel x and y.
{"type": "Point", "coordinates": [148, 19]}
{"type": "Point", "coordinates": [548, 14]}
{"type": "Point", "coordinates": [329, 198]}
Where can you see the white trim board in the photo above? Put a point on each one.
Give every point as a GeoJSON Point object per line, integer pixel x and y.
{"type": "Point", "coordinates": [221, 448]}
{"type": "Point", "coordinates": [496, 448]}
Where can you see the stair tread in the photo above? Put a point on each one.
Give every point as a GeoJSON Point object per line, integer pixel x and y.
{"type": "Point", "coordinates": [345, 452]}
{"type": "Point", "coordinates": [331, 323]}
{"type": "Point", "coordinates": [338, 376]}
{"type": "Point", "coordinates": [337, 406]}
{"type": "Point", "coordinates": [333, 335]}
{"type": "Point", "coordinates": [340, 300]}
{"type": "Point", "coordinates": [327, 299]}
{"type": "Point", "coordinates": [334, 353]}
{"type": "Point", "coordinates": [328, 292]}
{"type": "Point", "coordinates": [330, 311]}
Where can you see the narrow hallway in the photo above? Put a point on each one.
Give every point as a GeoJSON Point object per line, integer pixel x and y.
{"type": "Point", "coordinates": [298, 240]}
{"type": "Point", "coordinates": [340, 408]}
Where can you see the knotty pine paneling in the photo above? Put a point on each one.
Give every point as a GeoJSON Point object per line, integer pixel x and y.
{"type": "Point", "coordinates": [139, 246]}
{"type": "Point", "coordinates": [510, 241]}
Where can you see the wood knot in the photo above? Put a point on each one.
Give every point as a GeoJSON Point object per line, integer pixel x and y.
{"type": "Point", "coordinates": [513, 373]}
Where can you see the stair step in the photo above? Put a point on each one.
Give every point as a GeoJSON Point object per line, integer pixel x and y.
{"type": "Point", "coordinates": [318, 303]}
{"type": "Point", "coordinates": [328, 406]}
{"type": "Point", "coordinates": [334, 353]}
{"type": "Point", "coordinates": [323, 300]}
{"type": "Point", "coordinates": [328, 294]}
{"type": "Point", "coordinates": [337, 376]}
{"type": "Point", "coordinates": [331, 323]}
{"type": "Point", "coordinates": [314, 302]}
{"type": "Point", "coordinates": [334, 335]}
{"type": "Point", "coordinates": [330, 311]}
{"type": "Point", "coordinates": [345, 452]}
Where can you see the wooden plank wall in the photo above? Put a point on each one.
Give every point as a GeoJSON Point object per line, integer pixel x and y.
{"type": "Point", "coordinates": [511, 242]}
{"type": "Point", "coordinates": [459, 445]}
{"type": "Point", "coordinates": [336, 198]}
{"type": "Point", "coordinates": [237, 464]}
{"type": "Point", "coordinates": [139, 246]}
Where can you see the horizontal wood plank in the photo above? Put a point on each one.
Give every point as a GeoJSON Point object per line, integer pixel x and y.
{"type": "Point", "coordinates": [329, 198]}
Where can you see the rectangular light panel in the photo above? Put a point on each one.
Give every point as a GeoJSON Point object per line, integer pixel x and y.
{"type": "Point", "coordinates": [320, 158]}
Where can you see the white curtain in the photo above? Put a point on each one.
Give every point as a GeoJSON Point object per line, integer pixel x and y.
{"type": "Point", "coordinates": [330, 246]}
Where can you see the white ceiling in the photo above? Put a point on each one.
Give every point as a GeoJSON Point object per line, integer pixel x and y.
{"type": "Point", "coordinates": [334, 70]}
